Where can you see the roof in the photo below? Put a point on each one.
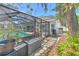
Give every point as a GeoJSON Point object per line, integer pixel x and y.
{"type": "Point", "coordinates": [48, 18]}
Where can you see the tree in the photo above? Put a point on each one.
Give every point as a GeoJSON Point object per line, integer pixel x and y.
{"type": "Point", "coordinates": [60, 14]}
{"type": "Point", "coordinates": [71, 19]}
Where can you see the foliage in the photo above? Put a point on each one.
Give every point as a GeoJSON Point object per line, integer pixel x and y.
{"type": "Point", "coordinates": [70, 48]}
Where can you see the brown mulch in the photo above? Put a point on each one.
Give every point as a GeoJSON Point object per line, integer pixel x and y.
{"type": "Point", "coordinates": [62, 39]}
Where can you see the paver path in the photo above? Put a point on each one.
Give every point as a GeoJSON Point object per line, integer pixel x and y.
{"type": "Point", "coordinates": [47, 45]}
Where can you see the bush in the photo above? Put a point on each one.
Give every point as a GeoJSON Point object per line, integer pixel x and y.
{"type": "Point", "coordinates": [70, 48]}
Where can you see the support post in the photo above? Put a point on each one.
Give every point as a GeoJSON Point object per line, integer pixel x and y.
{"type": "Point", "coordinates": [34, 27]}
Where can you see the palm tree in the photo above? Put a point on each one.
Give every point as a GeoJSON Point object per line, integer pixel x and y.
{"type": "Point", "coordinates": [60, 14]}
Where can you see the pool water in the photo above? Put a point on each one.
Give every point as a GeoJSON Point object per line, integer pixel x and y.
{"type": "Point", "coordinates": [20, 34]}
{"type": "Point", "coordinates": [15, 34]}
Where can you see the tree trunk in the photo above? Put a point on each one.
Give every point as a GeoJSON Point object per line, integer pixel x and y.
{"type": "Point", "coordinates": [72, 21]}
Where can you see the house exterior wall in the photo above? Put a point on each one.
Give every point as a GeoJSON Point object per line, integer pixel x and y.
{"type": "Point", "coordinates": [55, 24]}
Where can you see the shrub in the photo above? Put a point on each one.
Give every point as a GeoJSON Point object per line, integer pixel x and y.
{"type": "Point", "coordinates": [70, 48]}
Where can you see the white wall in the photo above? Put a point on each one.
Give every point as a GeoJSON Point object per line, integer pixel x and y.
{"type": "Point", "coordinates": [57, 26]}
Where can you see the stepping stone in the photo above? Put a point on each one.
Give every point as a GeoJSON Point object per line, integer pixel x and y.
{"type": "Point", "coordinates": [44, 48]}
{"type": "Point", "coordinates": [41, 51]}
{"type": "Point", "coordinates": [37, 54]}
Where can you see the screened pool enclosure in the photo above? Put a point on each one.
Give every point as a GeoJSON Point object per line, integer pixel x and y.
{"type": "Point", "coordinates": [20, 29]}
{"type": "Point", "coordinates": [15, 24]}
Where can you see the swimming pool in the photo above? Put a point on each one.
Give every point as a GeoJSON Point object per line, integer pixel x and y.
{"type": "Point", "coordinates": [20, 34]}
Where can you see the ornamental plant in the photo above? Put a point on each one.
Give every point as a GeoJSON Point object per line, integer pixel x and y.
{"type": "Point", "coordinates": [70, 47]}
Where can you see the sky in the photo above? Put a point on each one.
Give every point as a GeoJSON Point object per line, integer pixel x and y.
{"type": "Point", "coordinates": [38, 10]}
